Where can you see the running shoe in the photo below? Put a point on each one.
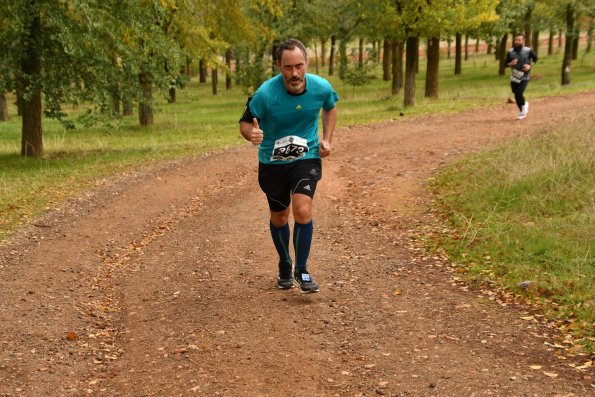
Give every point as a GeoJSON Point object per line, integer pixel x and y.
{"type": "Point", "coordinates": [521, 116]}
{"type": "Point", "coordinates": [284, 279]}
{"type": "Point", "coordinates": [525, 108]}
{"type": "Point", "coordinates": [305, 283]}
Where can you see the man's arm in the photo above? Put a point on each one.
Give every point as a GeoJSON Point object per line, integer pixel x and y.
{"type": "Point", "coordinates": [329, 120]}
{"type": "Point", "coordinates": [509, 61]}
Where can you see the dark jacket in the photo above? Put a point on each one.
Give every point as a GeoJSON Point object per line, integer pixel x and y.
{"type": "Point", "coordinates": [524, 56]}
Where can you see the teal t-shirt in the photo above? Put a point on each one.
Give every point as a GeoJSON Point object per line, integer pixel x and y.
{"type": "Point", "coordinates": [290, 122]}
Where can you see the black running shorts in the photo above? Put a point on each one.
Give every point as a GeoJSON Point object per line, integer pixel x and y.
{"type": "Point", "coordinates": [280, 181]}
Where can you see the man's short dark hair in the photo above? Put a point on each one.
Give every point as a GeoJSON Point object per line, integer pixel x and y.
{"type": "Point", "coordinates": [519, 34]}
{"type": "Point", "coordinates": [290, 44]}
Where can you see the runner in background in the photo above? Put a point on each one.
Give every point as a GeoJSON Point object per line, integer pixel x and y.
{"type": "Point", "coordinates": [519, 60]}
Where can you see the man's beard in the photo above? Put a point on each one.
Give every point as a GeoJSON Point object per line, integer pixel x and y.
{"type": "Point", "coordinates": [294, 80]}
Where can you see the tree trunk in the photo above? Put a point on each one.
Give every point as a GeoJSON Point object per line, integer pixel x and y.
{"type": "Point", "coordinates": [274, 58]}
{"type": "Point", "coordinates": [528, 27]}
{"type": "Point", "coordinates": [590, 30]}
{"type": "Point", "coordinates": [448, 47]}
{"type": "Point", "coordinates": [19, 96]}
{"type": "Point", "coordinates": [145, 106]}
{"type": "Point", "coordinates": [386, 60]}
{"type": "Point", "coordinates": [115, 105]}
{"type": "Point", "coordinates": [115, 93]}
{"type": "Point", "coordinates": [490, 46]}
{"type": "Point", "coordinates": [239, 56]}
{"type": "Point", "coordinates": [378, 50]}
{"type": "Point", "coordinates": [331, 60]}
{"type": "Point", "coordinates": [342, 57]}
{"type": "Point", "coordinates": [3, 107]}
{"type": "Point", "coordinates": [560, 39]}
{"type": "Point", "coordinates": [458, 63]}
{"type": "Point", "coordinates": [466, 47]}
{"type": "Point", "coordinates": [228, 71]}
{"type": "Point", "coordinates": [569, 44]}
{"type": "Point", "coordinates": [397, 67]}
{"type": "Point", "coordinates": [214, 80]}
{"type": "Point", "coordinates": [31, 131]}
{"type": "Point", "coordinates": [316, 56]}
{"type": "Point", "coordinates": [477, 46]}
{"type": "Point", "coordinates": [411, 60]}
{"type": "Point", "coordinates": [188, 70]}
{"type": "Point", "coordinates": [172, 88]}
{"type": "Point", "coordinates": [502, 52]}
{"type": "Point", "coordinates": [536, 41]}
{"type": "Point", "coordinates": [323, 53]}
{"type": "Point", "coordinates": [433, 67]}
{"type": "Point", "coordinates": [203, 71]}
{"type": "Point", "coordinates": [550, 43]}
{"type": "Point", "coordinates": [361, 53]}
{"type": "Point", "coordinates": [417, 58]}
{"type": "Point", "coordinates": [127, 109]}
{"type": "Point", "coordinates": [575, 44]}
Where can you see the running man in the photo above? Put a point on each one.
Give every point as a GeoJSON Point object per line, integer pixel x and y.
{"type": "Point", "coordinates": [519, 60]}
{"type": "Point", "coordinates": [282, 118]}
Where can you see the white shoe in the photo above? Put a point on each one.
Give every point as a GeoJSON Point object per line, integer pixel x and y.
{"type": "Point", "coordinates": [525, 108]}
{"type": "Point", "coordinates": [521, 116]}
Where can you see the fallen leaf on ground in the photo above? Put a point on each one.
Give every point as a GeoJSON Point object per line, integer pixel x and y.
{"type": "Point", "coordinates": [550, 374]}
{"type": "Point", "coordinates": [535, 366]}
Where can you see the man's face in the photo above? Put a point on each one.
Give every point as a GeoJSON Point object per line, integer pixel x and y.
{"type": "Point", "coordinates": [293, 68]}
{"type": "Point", "coordinates": [519, 41]}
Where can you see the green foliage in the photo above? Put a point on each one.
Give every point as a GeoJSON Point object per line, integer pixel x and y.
{"type": "Point", "coordinates": [88, 47]}
{"type": "Point", "coordinates": [358, 76]}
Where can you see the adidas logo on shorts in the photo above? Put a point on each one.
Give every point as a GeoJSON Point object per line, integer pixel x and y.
{"type": "Point", "coordinates": [307, 187]}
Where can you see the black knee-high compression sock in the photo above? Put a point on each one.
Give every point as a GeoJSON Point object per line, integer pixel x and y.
{"type": "Point", "coordinates": [280, 237]}
{"type": "Point", "coordinates": [302, 240]}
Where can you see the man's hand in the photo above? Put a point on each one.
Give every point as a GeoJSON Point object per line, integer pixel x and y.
{"type": "Point", "coordinates": [256, 135]}
{"type": "Point", "coordinates": [513, 62]}
{"type": "Point", "coordinates": [325, 149]}
{"type": "Point", "coordinates": [526, 68]}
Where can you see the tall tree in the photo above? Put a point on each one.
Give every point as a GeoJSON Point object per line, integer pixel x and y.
{"type": "Point", "coordinates": [570, 32]}
{"type": "Point", "coordinates": [412, 52]}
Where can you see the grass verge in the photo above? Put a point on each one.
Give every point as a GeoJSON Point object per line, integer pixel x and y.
{"type": "Point", "coordinates": [526, 212]}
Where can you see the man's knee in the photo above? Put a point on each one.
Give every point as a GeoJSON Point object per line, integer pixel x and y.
{"type": "Point", "coordinates": [302, 211]}
{"type": "Point", "coordinates": [279, 219]}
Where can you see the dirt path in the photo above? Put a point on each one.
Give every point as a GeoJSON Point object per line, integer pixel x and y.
{"type": "Point", "coordinates": [165, 281]}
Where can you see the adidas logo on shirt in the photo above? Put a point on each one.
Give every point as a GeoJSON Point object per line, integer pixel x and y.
{"type": "Point", "coordinates": [307, 187]}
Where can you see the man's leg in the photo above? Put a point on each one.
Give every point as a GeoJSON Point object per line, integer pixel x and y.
{"type": "Point", "coordinates": [521, 93]}
{"type": "Point", "coordinates": [302, 240]}
{"type": "Point", "coordinates": [518, 95]}
{"type": "Point", "coordinates": [280, 234]}
{"type": "Point", "coordinates": [302, 231]}
{"type": "Point", "coordinates": [272, 182]}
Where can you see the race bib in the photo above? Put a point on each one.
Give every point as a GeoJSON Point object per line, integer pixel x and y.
{"type": "Point", "coordinates": [517, 75]}
{"type": "Point", "coordinates": [290, 148]}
